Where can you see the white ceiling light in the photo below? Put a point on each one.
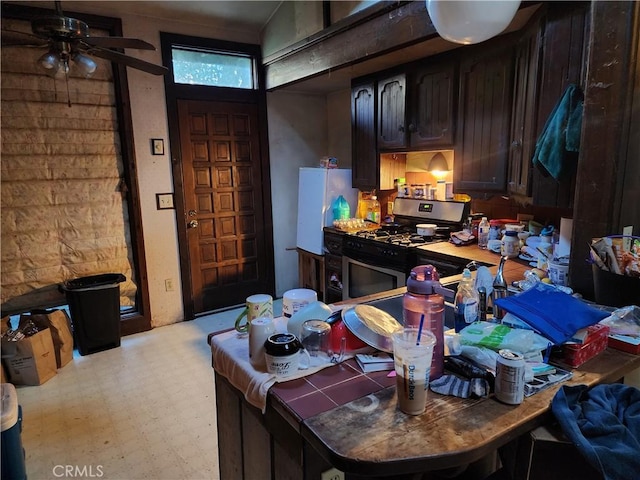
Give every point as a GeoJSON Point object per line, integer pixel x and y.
{"type": "Point", "coordinates": [471, 21]}
{"type": "Point", "coordinates": [85, 64]}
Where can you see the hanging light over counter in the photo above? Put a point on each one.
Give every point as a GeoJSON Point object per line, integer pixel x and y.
{"type": "Point", "coordinates": [471, 21]}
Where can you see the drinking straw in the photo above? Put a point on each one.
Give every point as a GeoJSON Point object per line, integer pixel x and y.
{"type": "Point", "coordinates": [420, 329]}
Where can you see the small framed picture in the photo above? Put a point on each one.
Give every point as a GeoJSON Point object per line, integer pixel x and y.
{"type": "Point", "coordinates": [157, 146]}
{"type": "Point", "coordinates": [164, 201]}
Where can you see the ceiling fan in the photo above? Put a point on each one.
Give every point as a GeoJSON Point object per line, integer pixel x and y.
{"type": "Point", "coordinates": [69, 44]}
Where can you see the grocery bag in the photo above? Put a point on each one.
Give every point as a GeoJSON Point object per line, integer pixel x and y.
{"type": "Point", "coordinates": [60, 324]}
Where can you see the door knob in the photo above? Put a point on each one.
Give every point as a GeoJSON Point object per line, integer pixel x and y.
{"type": "Point", "coordinates": [192, 224]}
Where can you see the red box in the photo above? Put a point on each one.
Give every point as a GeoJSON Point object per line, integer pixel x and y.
{"type": "Point", "coordinates": [625, 343]}
{"type": "Point", "coordinates": [595, 342]}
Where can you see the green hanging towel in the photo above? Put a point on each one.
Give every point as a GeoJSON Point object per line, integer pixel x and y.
{"type": "Point", "coordinates": [561, 134]}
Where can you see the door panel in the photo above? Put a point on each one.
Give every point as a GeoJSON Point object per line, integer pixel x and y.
{"type": "Point", "coordinates": [223, 195]}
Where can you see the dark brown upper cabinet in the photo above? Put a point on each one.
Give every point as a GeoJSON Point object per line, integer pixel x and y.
{"type": "Point", "coordinates": [431, 106]}
{"type": "Point", "coordinates": [524, 118]}
{"type": "Point", "coordinates": [365, 173]}
{"type": "Point", "coordinates": [391, 112]}
{"type": "Point", "coordinates": [416, 108]}
{"type": "Point", "coordinates": [484, 121]}
{"type": "Point", "coordinates": [564, 53]}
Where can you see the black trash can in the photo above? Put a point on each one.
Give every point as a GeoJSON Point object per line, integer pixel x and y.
{"type": "Point", "coordinates": [94, 305]}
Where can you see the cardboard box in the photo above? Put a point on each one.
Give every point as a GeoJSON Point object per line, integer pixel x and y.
{"type": "Point", "coordinates": [34, 361]}
{"type": "Point", "coordinates": [595, 342]}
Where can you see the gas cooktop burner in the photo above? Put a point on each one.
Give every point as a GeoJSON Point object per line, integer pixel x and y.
{"type": "Point", "coordinates": [407, 239]}
{"type": "Point", "coordinates": [373, 234]}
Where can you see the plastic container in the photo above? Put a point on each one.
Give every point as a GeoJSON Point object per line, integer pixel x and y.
{"type": "Point", "coordinates": [466, 302]}
{"type": "Point", "coordinates": [373, 210]}
{"type": "Point", "coordinates": [341, 209]}
{"type": "Point", "coordinates": [421, 299]}
{"type": "Point", "coordinates": [615, 290]}
{"type": "Point", "coordinates": [510, 244]}
{"type": "Point", "coordinates": [13, 464]}
{"type": "Point", "coordinates": [483, 233]}
{"type": "Point", "coordinates": [94, 305]}
{"type": "Point", "coordinates": [558, 272]}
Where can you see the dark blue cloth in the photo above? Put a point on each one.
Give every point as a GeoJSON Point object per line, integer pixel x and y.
{"type": "Point", "coordinates": [561, 134]}
{"type": "Point", "coordinates": [604, 424]}
{"type": "Point", "coordinates": [552, 313]}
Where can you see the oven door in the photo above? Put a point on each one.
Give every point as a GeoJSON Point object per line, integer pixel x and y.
{"type": "Point", "coordinates": [360, 279]}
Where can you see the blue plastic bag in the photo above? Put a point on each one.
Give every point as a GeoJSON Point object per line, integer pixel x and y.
{"type": "Point", "coordinates": [555, 314]}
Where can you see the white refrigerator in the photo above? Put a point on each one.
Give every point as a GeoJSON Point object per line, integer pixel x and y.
{"type": "Point", "coordinates": [318, 188]}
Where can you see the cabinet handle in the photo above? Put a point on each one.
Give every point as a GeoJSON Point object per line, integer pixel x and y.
{"type": "Point", "coordinates": [412, 128]}
{"type": "Point", "coordinates": [516, 144]}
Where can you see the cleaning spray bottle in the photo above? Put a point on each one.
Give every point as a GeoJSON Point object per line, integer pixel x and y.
{"type": "Point", "coordinates": [422, 299]}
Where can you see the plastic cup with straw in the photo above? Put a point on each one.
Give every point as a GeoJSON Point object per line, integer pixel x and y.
{"type": "Point", "coordinates": [413, 353]}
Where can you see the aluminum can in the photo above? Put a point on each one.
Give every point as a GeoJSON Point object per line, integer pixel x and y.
{"type": "Point", "coordinates": [510, 377]}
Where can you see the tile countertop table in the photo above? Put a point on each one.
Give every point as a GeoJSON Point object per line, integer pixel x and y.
{"type": "Point", "coordinates": [341, 417]}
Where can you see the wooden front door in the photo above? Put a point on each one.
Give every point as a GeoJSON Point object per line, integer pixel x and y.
{"type": "Point", "coordinates": [223, 202]}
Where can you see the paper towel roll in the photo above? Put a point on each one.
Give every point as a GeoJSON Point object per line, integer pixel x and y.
{"type": "Point", "coordinates": [564, 243]}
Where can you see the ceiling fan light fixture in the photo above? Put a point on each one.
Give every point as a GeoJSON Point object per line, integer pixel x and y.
{"type": "Point", "coordinates": [85, 64]}
{"type": "Point", "coordinates": [50, 62]}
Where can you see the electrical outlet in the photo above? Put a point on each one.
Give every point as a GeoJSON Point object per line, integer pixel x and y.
{"type": "Point", "coordinates": [168, 284]}
{"type": "Point", "coordinates": [332, 474]}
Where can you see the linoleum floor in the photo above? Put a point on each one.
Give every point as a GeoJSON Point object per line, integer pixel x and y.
{"type": "Point", "coordinates": [145, 410]}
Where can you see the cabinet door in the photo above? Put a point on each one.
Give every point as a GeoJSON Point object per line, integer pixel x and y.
{"type": "Point", "coordinates": [484, 121]}
{"type": "Point", "coordinates": [365, 173]}
{"type": "Point", "coordinates": [391, 110]}
{"type": "Point", "coordinates": [523, 126]}
{"type": "Point", "coordinates": [431, 106]}
{"type": "Point", "coordinates": [563, 50]}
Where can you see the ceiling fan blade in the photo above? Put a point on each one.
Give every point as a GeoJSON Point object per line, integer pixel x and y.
{"type": "Point", "coordinates": [129, 61]}
{"type": "Point", "coordinates": [118, 42]}
{"type": "Point", "coordinates": [18, 38]}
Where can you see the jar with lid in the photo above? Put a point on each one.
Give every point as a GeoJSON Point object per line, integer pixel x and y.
{"type": "Point", "coordinates": [418, 190]}
{"type": "Point", "coordinates": [510, 244]}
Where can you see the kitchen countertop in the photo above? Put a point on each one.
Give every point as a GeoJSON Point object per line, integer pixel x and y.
{"type": "Point", "coordinates": [351, 418]}
{"type": "Point", "coordinates": [513, 269]}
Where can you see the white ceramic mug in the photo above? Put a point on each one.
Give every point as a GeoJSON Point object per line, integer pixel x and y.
{"type": "Point", "coordinates": [259, 305]}
{"type": "Point", "coordinates": [294, 300]}
{"type": "Point", "coordinates": [261, 329]}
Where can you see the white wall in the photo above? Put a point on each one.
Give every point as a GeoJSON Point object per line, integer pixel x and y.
{"type": "Point", "coordinates": [297, 138]}
{"type": "Point", "coordinates": [339, 126]}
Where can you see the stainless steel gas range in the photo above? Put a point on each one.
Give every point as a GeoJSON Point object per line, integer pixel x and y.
{"type": "Point", "coordinates": [380, 260]}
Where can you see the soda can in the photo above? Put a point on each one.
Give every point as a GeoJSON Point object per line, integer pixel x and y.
{"type": "Point", "coordinates": [510, 377]}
